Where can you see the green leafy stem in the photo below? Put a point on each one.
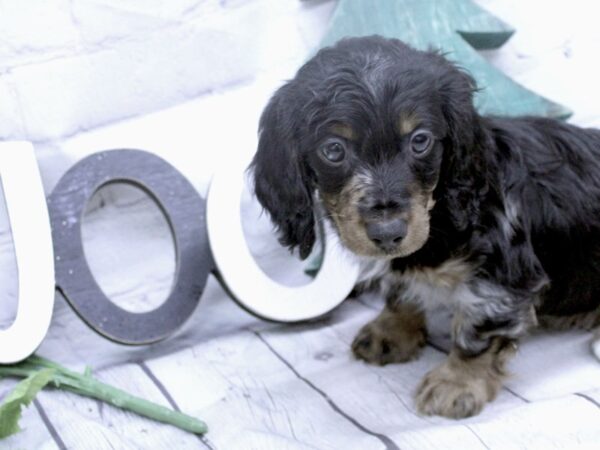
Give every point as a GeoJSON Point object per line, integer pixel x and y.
{"type": "Point", "coordinates": [39, 371]}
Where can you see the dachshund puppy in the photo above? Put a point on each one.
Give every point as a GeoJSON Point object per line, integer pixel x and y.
{"type": "Point", "coordinates": [497, 219]}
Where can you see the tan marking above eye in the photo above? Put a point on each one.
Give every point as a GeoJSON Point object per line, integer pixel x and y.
{"type": "Point", "coordinates": [407, 123]}
{"type": "Point", "coordinates": [344, 131]}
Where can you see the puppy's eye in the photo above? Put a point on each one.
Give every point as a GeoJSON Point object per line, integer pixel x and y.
{"type": "Point", "coordinates": [334, 151]}
{"type": "Point", "coordinates": [421, 141]}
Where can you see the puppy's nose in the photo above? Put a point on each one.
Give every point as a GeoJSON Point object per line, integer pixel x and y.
{"type": "Point", "coordinates": [387, 234]}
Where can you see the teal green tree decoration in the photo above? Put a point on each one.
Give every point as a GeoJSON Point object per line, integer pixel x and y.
{"type": "Point", "coordinates": [458, 28]}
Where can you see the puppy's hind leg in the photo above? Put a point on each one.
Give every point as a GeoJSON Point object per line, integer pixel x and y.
{"type": "Point", "coordinates": [396, 335]}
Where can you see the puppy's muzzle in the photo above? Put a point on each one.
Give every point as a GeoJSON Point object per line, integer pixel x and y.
{"type": "Point", "coordinates": [387, 234]}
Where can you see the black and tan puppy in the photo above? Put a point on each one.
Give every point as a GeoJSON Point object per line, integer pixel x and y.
{"type": "Point", "coordinates": [496, 218]}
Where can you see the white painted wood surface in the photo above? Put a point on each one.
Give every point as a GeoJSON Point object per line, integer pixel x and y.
{"type": "Point", "coordinates": [266, 386]}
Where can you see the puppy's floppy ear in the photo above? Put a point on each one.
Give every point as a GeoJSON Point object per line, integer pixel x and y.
{"type": "Point", "coordinates": [456, 88]}
{"type": "Point", "coordinates": [281, 181]}
{"type": "Point", "coordinates": [464, 166]}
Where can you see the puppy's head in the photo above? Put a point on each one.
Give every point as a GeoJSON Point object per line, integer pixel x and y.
{"type": "Point", "coordinates": [368, 127]}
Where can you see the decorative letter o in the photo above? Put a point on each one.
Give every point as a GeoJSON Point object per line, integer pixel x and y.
{"type": "Point", "coordinates": [185, 212]}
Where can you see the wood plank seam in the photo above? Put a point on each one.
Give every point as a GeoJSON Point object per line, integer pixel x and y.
{"type": "Point", "coordinates": [163, 390]}
{"type": "Point", "coordinates": [51, 429]}
{"type": "Point", "coordinates": [520, 397]}
{"type": "Point", "coordinates": [588, 398]}
{"type": "Point", "coordinates": [389, 444]}
{"type": "Point", "coordinates": [477, 436]}
{"type": "Point", "coordinates": [161, 387]}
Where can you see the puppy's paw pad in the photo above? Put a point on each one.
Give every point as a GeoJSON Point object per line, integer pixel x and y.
{"type": "Point", "coordinates": [443, 395]}
{"type": "Point", "coordinates": [376, 345]}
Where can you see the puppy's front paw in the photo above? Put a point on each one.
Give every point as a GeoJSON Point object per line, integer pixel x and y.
{"type": "Point", "coordinates": [389, 339]}
{"type": "Point", "coordinates": [449, 392]}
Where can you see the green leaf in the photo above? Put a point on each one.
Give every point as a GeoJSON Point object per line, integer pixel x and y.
{"type": "Point", "coordinates": [22, 395]}
{"type": "Point", "coordinates": [83, 384]}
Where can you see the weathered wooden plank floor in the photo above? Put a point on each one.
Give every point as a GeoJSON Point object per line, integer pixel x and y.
{"type": "Point", "coordinates": [272, 386]}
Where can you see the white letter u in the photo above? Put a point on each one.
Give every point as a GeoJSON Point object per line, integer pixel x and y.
{"type": "Point", "coordinates": [32, 238]}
